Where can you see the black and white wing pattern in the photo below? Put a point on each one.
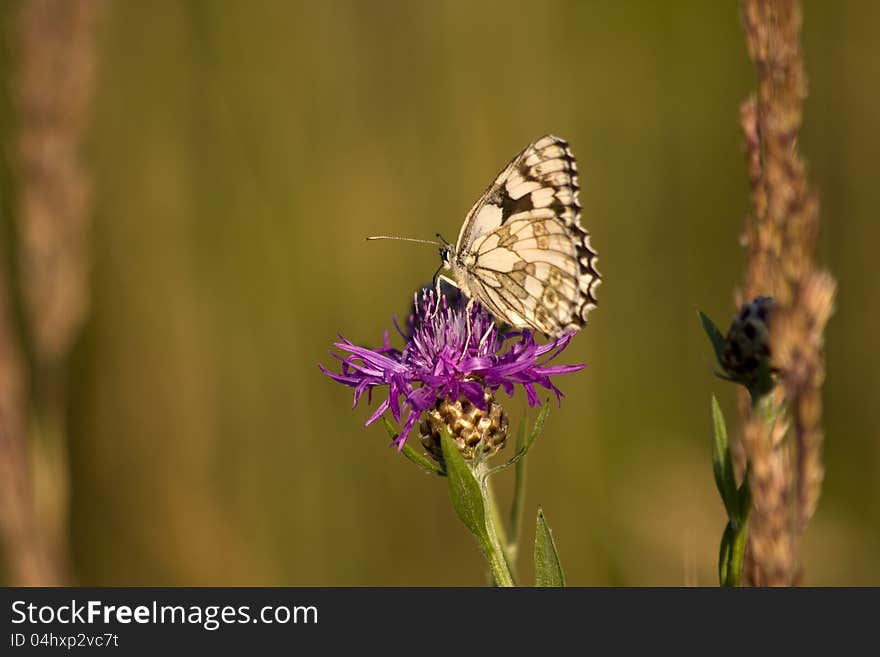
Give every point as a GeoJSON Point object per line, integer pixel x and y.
{"type": "Point", "coordinates": [522, 252]}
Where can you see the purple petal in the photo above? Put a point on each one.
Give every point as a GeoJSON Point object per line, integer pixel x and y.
{"type": "Point", "coordinates": [436, 362]}
{"type": "Point", "coordinates": [378, 413]}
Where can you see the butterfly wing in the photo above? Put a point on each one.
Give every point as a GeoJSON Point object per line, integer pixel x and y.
{"type": "Point", "coordinates": [522, 249]}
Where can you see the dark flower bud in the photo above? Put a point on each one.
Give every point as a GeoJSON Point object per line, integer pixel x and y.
{"type": "Point", "coordinates": [747, 344]}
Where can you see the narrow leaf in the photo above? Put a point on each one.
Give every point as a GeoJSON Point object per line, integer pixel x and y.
{"type": "Point", "coordinates": [533, 436]}
{"type": "Point", "coordinates": [548, 572]}
{"type": "Point", "coordinates": [715, 336]}
{"type": "Point", "coordinates": [426, 464]}
{"type": "Point", "coordinates": [539, 425]}
{"type": "Point", "coordinates": [467, 499]}
{"type": "Point", "coordinates": [392, 431]}
{"type": "Point", "coordinates": [722, 463]}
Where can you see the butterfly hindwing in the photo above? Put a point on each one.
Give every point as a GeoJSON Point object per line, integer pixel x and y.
{"type": "Point", "coordinates": [522, 249]}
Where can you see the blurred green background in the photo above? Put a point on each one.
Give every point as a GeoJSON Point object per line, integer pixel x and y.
{"type": "Point", "coordinates": [241, 152]}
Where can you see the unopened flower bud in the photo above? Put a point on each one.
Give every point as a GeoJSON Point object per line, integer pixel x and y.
{"type": "Point", "coordinates": [747, 345]}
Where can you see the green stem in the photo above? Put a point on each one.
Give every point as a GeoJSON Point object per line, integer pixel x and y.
{"type": "Point", "coordinates": [733, 544]}
{"type": "Point", "coordinates": [737, 554]}
{"type": "Point", "coordinates": [498, 566]}
{"type": "Point", "coordinates": [741, 527]}
{"type": "Point", "coordinates": [495, 526]}
{"type": "Point", "coordinates": [495, 551]}
{"type": "Point", "coordinates": [768, 410]}
{"type": "Point", "coordinates": [516, 508]}
{"type": "Point", "coordinates": [733, 549]}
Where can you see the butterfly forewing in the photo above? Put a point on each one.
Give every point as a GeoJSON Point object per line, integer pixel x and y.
{"type": "Point", "coordinates": [522, 252]}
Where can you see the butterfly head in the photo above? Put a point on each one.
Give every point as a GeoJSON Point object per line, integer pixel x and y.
{"type": "Point", "coordinates": [447, 251]}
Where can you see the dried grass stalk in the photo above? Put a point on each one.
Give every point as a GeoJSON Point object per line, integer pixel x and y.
{"type": "Point", "coordinates": [27, 560]}
{"type": "Point", "coordinates": [780, 241]}
{"type": "Point", "coordinates": [52, 88]}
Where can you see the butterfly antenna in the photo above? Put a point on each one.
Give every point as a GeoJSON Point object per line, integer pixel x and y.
{"type": "Point", "coordinates": [403, 239]}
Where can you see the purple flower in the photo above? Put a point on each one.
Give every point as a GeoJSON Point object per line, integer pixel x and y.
{"type": "Point", "coordinates": [436, 363]}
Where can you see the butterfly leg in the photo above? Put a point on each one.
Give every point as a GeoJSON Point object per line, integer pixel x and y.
{"type": "Point", "coordinates": [486, 335]}
{"type": "Point", "coordinates": [467, 321]}
{"type": "Point", "coordinates": [438, 279]}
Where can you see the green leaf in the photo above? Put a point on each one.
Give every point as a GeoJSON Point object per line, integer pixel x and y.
{"type": "Point", "coordinates": [426, 464]}
{"type": "Point", "coordinates": [722, 463]}
{"type": "Point", "coordinates": [538, 429]}
{"type": "Point", "coordinates": [548, 572]}
{"type": "Point", "coordinates": [470, 502]}
{"type": "Point", "coordinates": [524, 449]}
{"type": "Point", "coordinates": [467, 498]}
{"type": "Point", "coordinates": [716, 337]}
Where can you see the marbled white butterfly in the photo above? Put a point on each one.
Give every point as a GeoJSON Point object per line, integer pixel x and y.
{"type": "Point", "coordinates": [522, 252]}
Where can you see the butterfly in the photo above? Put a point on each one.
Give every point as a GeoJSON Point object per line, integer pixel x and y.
{"type": "Point", "coordinates": [522, 252]}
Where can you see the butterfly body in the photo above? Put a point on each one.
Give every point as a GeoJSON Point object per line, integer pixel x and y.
{"type": "Point", "coordinates": [522, 252]}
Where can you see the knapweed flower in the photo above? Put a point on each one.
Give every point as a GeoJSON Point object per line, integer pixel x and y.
{"type": "Point", "coordinates": [442, 362]}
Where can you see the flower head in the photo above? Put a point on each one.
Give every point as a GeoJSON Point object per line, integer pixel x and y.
{"type": "Point", "coordinates": [443, 360]}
